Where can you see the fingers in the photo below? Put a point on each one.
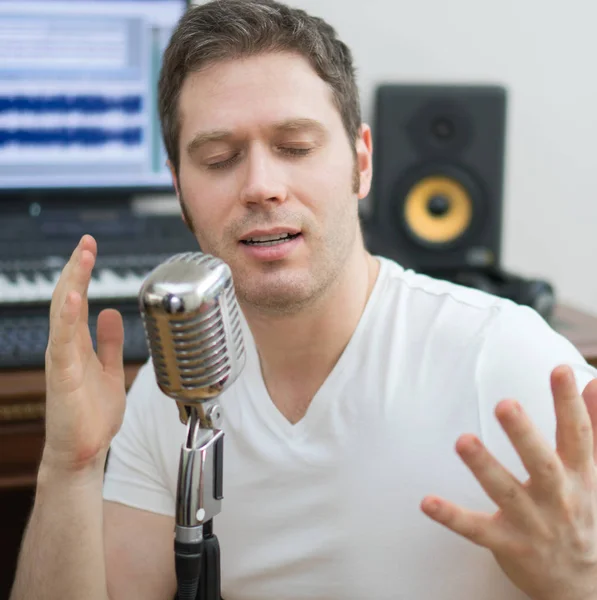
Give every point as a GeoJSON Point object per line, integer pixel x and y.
{"type": "Point", "coordinates": [574, 433]}
{"type": "Point", "coordinates": [89, 245]}
{"type": "Point", "coordinates": [539, 459]}
{"type": "Point", "coordinates": [65, 329]}
{"type": "Point", "coordinates": [499, 484]}
{"type": "Point", "coordinates": [75, 275]}
{"type": "Point", "coordinates": [110, 340]}
{"type": "Point", "coordinates": [590, 397]}
{"type": "Point", "coordinates": [70, 296]}
{"type": "Point", "coordinates": [479, 528]}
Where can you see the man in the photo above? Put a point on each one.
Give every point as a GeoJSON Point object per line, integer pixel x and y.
{"type": "Point", "coordinates": [360, 376]}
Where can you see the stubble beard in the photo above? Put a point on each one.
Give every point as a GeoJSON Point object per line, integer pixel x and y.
{"type": "Point", "coordinates": [287, 297]}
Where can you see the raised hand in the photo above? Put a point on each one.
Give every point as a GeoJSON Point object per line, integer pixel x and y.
{"type": "Point", "coordinates": [85, 391]}
{"type": "Point", "coordinates": [544, 535]}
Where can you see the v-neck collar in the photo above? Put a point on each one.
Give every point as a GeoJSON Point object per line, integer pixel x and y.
{"type": "Point", "coordinates": [320, 403]}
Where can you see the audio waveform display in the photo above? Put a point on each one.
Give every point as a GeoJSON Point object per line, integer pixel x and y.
{"type": "Point", "coordinates": [77, 92]}
{"type": "Point", "coordinates": [87, 104]}
{"type": "Point", "coordinates": [64, 136]}
{"type": "Point", "coordinates": [62, 120]}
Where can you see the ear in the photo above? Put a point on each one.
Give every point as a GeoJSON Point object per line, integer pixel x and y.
{"type": "Point", "coordinates": [364, 152]}
{"type": "Point", "coordinates": [176, 185]}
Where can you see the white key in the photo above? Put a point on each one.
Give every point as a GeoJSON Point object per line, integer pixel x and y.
{"type": "Point", "coordinates": [100, 287]}
{"type": "Point", "coordinates": [45, 287]}
{"type": "Point", "coordinates": [106, 285]}
{"type": "Point", "coordinates": [26, 289]}
{"type": "Point", "coordinates": [132, 284]}
{"type": "Point", "coordinates": [8, 291]}
{"type": "Point", "coordinates": [110, 285]}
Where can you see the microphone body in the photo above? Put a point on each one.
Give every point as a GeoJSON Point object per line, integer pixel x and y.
{"type": "Point", "coordinates": [193, 330]}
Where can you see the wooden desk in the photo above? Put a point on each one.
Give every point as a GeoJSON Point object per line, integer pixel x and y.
{"type": "Point", "coordinates": [22, 397]}
{"type": "Point", "coordinates": [22, 407]}
{"type": "Point", "coordinates": [580, 328]}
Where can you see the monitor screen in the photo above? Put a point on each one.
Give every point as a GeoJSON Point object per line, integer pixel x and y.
{"type": "Point", "coordinates": [78, 82]}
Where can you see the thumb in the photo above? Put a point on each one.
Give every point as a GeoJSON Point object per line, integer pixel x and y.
{"type": "Point", "coordinates": [110, 341]}
{"type": "Point", "coordinates": [590, 397]}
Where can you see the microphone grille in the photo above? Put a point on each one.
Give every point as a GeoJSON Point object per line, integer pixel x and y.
{"type": "Point", "coordinates": [193, 326]}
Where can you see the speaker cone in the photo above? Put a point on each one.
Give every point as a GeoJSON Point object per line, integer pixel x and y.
{"type": "Point", "coordinates": [439, 206]}
{"type": "Point", "coordinates": [438, 209]}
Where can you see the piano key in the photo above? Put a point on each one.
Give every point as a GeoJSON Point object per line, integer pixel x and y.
{"type": "Point", "coordinates": [126, 286]}
{"type": "Point", "coordinates": [46, 284]}
{"type": "Point", "coordinates": [46, 274]}
{"type": "Point", "coordinates": [8, 290]}
{"type": "Point", "coordinates": [26, 289]}
{"type": "Point", "coordinates": [106, 284]}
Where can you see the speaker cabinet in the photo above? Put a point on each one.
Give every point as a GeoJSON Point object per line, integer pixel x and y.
{"type": "Point", "coordinates": [438, 162]}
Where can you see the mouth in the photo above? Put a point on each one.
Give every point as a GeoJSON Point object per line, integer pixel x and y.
{"type": "Point", "coordinates": [272, 239]}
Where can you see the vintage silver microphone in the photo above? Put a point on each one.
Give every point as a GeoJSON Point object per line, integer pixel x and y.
{"type": "Point", "coordinates": [193, 329]}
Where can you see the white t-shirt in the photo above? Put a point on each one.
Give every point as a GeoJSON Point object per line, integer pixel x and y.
{"type": "Point", "coordinates": [328, 508]}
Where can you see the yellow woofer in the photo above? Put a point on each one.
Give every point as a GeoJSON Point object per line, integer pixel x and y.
{"type": "Point", "coordinates": [434, 228]}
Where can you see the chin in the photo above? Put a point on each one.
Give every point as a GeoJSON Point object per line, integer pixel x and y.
{"type": "Point", "coordinates": [284, 295]}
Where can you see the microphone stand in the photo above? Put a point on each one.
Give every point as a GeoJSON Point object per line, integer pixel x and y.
{"type": "Point", "coordinates": [198, 501]}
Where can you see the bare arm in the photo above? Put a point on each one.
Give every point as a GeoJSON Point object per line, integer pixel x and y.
{"type": "Point", "coordinates": [127, 555]}
{"type": "Point", "coordinates": [139, 554]}
{"type": "Point", "coordinates": [62, 555]}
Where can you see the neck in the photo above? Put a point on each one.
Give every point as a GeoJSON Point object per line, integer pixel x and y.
{"type": "Point", "coordinates": [300, 350]}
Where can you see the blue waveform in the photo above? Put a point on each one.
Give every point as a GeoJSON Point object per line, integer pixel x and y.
{"type": "Point", "coordinates": [69, 136]}
{"type": "Point", "coordinates": [68, 104]}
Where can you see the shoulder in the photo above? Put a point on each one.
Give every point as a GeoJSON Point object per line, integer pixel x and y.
{"type": "Point", "coordinates": [431, 291]}
{"type": "Point", "coordinates": [425, 309]}
{"type": "Point", "coordinates": [508, 347]}
{"type": "Point", "coordinates": [151, 428]}
{"type": "Point", "coordinates": [519, 353]}
{"type": "Point", "coordinates": [143, 455]}
{"type": "Point", "coordinates": [522, 345]}
{"type": "Point", "coordinates": [151, 411]}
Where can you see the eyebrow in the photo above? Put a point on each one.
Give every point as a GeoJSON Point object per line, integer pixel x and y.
{"type": "Point", "coordinates": [218, 135]}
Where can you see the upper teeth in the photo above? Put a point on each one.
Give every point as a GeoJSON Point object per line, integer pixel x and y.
{"type": "Point", "coordinates": [268, 238]}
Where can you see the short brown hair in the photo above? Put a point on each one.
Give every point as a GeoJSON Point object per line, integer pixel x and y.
{"type": "Point", "coordinates": [224, 29]}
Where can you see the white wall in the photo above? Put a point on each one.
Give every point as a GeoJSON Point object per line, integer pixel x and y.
{"type": "Point", "coordinates": [545, 52]}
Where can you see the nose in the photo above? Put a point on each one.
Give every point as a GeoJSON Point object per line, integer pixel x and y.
{"type": "Point", "coordinates": [262, 179]}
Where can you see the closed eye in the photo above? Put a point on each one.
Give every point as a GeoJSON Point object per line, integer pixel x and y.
{"type": "Point", "coordinates": [287, 150]}
{"type": "Point", "coordinates": [290, 151]}
{"type": "Point", "coordinates": [224, 163]}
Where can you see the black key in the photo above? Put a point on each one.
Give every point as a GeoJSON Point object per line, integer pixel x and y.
{"type": "Point", "coordinates": [47, 274]}
{"type": "Point", "coordinates": [28, 275]}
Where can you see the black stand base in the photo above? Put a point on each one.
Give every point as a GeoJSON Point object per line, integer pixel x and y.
{"type": "Point", "coordinates": [209, 583]}
{"type": "Point", "coordinates": [209, 586]}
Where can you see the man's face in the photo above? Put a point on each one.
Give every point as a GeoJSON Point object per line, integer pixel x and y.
{"type": "Point", "coordinates": [267, 177]}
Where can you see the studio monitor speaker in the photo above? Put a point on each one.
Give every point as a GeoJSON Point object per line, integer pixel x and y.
{"type": "Point", "coordinates": [438, 162]}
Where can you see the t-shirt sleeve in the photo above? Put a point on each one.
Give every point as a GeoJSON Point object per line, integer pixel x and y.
{"type": "Point", "coordinates": [519, 354]}
{"type": "Point", "coordinates": [135, 473]}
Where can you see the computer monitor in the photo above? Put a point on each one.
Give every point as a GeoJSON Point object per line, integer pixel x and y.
{"type": "Point", "coordinates": [78, 87]}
